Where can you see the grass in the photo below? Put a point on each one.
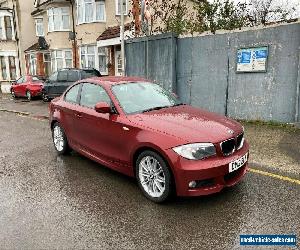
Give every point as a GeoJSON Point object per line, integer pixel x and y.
{"type": "Point", "coordinates": [271, 124]}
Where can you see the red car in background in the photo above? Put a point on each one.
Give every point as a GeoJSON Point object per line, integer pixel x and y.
{"type": "Point", "coordinates": [27, 86]}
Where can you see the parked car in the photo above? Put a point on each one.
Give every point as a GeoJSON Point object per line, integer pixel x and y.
{"type": "Point", "coordinates": [59, 81]}
{"type": "Point", "coordinates": [139, 129]}
{"type": "Point", "coordinates": [27, 86]}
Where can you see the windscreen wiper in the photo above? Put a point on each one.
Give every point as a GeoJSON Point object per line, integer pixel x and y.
{"type": "Point", "coordinates": [156, 108]}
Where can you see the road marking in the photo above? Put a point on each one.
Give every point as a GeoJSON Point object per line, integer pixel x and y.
{"type": "Point", "coordinates": [283, 178]}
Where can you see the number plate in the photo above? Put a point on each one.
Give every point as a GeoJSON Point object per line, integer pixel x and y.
{"type": "Point", "coordinates": [235, 165]}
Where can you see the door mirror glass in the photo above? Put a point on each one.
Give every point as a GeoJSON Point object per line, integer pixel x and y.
{"type": "Point", "coordinates": [103, 108]}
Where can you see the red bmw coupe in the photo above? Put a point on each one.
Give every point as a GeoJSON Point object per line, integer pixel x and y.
{"type": "Point", "coordinates": [138, 128]}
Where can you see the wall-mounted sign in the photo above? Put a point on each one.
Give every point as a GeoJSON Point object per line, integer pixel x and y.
{"type": "Point", "coordinates": [252, 59]}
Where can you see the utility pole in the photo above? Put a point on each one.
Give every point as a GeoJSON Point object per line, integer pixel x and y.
{"type": "Point", "coordinates": [122, 38]}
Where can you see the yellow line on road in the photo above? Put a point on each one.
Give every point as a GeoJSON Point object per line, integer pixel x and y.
{"type": "Point", "coordinates": [283, 178]}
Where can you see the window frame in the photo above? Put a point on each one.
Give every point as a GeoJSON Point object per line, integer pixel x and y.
{"type": "Point", "coordinates": [111, 101]}
{"type": "Point", "coordinates": [78, 94]}
{"type": "Point", "coordinates": [52, 15]}
{"type": "Point", "coordinates": [63, 57]}
{"type": "Point", "coordinates": [3, 30]}
{"type": "Point", "coordinates": [118, 12]}
{"type": "Point", "coordinates": [36, 22]}
{"type": "Point", "coordinates": [96, 57]}
{"type": "Point", "coordinates": [81, 5]}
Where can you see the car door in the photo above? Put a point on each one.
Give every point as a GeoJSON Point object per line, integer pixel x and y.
{"type": "Point", "coordinates": [17, 86]}
{"type": "Point", "coordinates": [99, 134]}
{"type": "Point", "coordinates": [69, 110]}
{"type": "Point", "coordinates": [23, 86]}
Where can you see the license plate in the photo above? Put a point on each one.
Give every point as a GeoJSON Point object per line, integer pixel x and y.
{"type": "Point", "coordinates": [235, 165]}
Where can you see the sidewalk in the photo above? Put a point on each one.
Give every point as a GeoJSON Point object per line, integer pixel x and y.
{"type": "Point", "coordinates": [273, 148]}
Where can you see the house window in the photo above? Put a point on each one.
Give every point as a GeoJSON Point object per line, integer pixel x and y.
{"type": "Point", "coordinates": [39, 27]}
{"type": "Point", "coordinates": [58, 19]}
{"type": "Point", "coordinates": [47, 63]}
{"type": "Point", "coordinates": [3, 67]}
{"type": "Point", "coordinates": [90, 11]}
{"type": "Point", "coordinates": [102, 58]}
{"type": "Point", "coordinates": [12, 67]}
{"type": "Point", "coordinates": [8, 27]}
{"type": "Point", "coordinates": [61, 59]}
{"type": "Point", "coordinates": [32, 64]}
{"type": "Point", "coordinates": [88, 56]}
{"type": "Point", "coordinates": [118, 7]}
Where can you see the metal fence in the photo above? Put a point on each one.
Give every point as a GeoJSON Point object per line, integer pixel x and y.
{"type": "Point", "coordinates": [202, 71]}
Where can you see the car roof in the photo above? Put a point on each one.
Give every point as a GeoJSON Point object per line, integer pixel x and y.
{"type": "Point", "coordinates": [115, 80]}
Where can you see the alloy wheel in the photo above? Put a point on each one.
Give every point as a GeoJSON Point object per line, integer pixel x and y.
{"type": "Point", "coordinates": [28, 95]}
{"type": "Point", "coordinates": [58, 138]}
{"type": "Point", "coordinates": [152, 177]}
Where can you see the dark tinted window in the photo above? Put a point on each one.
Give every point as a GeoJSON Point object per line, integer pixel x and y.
{"type": "Point", "coordinates": [91, 94]}
{"type": "Point", "coordinates": [90, 73]}
{"type": "Point", "coordinates": [62, 76]}
{"type": "Point", "coordinates": [73, 76]}
{"type": "Point", "coordinates": [53, 77]}
{"type": "Point", "coordinates": [72, 94]}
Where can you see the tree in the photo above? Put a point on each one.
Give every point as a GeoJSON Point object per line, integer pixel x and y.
{"type": "Point", "coordinates": [266, 11]}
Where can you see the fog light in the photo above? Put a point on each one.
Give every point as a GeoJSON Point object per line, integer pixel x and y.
{"type": "Point", "coordinates": [192, 184]}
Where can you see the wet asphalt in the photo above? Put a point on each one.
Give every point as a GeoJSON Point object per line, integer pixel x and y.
{"type": "Point", "coordinates": [48, 202]}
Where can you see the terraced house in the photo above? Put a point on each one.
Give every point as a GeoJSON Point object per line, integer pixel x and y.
{"type": "Point", "coordinates": [81, 33]}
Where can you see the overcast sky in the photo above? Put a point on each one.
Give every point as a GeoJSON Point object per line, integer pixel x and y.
{"type": "Point", "coordinates": [289, 3]}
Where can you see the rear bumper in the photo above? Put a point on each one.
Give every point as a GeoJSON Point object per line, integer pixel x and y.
{"type": "Point", "coordinates": [211, 175]}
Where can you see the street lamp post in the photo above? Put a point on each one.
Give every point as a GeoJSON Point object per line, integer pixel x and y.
{"type": "Point", "coordinates": [122, 38]}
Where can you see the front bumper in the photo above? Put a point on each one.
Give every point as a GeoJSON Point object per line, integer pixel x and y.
{"type": "Point", "coordinates": [212, 174]}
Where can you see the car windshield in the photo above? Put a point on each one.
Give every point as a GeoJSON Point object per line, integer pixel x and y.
{"type": "Point", "coordinates": [141, 97]}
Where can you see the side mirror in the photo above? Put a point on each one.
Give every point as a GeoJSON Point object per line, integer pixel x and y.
{"type": "Point", "coordinates": [103, 108]}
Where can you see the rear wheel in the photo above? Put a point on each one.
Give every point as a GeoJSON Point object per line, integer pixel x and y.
{"type": "Point", "coordinates": [28, 95]}
{"type": "Point", "coordinates": [60, 140]}
{"type": "Point", "coordinates": [154, 177]}
{"type": "Point", "coordinates": [45, 97]}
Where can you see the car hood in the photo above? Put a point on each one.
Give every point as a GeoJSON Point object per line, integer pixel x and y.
{"type": "Point", "coordinates": [188, 124]}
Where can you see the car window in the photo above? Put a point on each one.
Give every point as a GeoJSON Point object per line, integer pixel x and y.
{"type": "Point", "coordinates": [20, 80]}
{"type": "Point", "coordinates": [53, 77]}
{"type": "Point", "coordinates": [72, 94]}
{"type": "Point", "coordinates": [62, 76]}
{"type": "Point", "coordinates": [91, 94]}
{"type": "Point", "coordinates": [35, 79]}
{"type": "Point", "coordinates": [89, 73]}
{"type": "Point", "coordinates": [73, 76]}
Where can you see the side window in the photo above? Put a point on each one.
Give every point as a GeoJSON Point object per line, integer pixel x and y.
{"type": "Point", "coordinates": [53, 77]}
{"type": "Point", "coordinates": [20, 80]}
{"type": "Point", "coordinates": [62, 76]}
{"type": "Point", "coordinates": [91, 94]}
{"type": "Point", "coordinates": [73, 76]}
{"type": "Point", "coordinates": [72, 94]}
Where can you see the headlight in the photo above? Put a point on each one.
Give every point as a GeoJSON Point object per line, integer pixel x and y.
{"type": "Point", "coordinates": [196, 151]}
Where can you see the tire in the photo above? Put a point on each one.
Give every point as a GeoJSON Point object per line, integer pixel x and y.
{"type": "Point", "coordinates": [45, 98]}
{"type": "Point", "coordinates": [153, 176]}
{"type": "Point", "coordinates": [28, 95]}
{"type": "Point", "coordinates": [60, 140]}
{"type": "Point", "coordinates": [12, 92]}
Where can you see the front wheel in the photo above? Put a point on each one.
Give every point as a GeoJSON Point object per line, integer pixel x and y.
{"type": "Point", "coordinates": [154, 177]}
{"type": "Point", "coordinates": [12, 92]}
{"type": "Point", "coordinates": [28, 95]}
{"type": "Point", "coordinates": [59, 139]}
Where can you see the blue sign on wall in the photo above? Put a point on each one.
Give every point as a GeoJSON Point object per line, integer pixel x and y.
{"type": "Point", "coordinates": [252, 59]}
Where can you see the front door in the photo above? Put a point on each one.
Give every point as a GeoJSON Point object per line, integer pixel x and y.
{"type": "Point", "coordinates": [118, 63]}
